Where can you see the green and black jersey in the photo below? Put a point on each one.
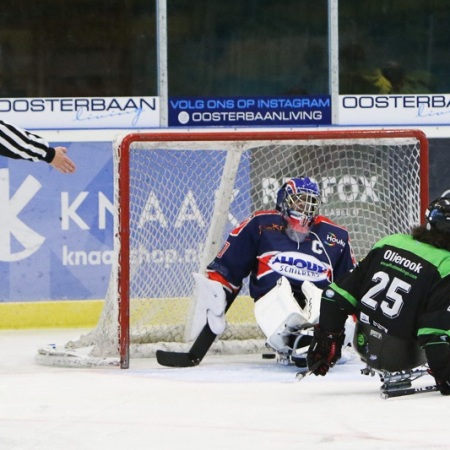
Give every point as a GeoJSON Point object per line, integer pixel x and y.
{"type": "Point", "coordinates": [402, 287]}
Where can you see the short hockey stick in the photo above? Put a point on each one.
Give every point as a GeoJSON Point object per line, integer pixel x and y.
{"type": "Point", "coordinates": [408, 391]}
{"type": "Point", "coordinates": [304, 373]}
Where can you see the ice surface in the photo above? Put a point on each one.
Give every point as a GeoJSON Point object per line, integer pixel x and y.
{"type": "Point", "coordinates": [230, 402]}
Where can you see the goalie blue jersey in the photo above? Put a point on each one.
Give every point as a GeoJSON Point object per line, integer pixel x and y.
{"type": "Point", "coordinates": [260, 248]}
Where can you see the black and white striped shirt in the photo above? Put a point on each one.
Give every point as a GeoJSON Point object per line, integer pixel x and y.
{"type": "Point", "coordinates": [17, 143]}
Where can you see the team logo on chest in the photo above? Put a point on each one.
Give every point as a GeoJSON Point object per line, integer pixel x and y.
{"type": "Point", "coordinates": [299, 266]}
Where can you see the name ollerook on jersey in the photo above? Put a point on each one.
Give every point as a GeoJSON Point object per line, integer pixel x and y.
{"type": "Point", "coordinates": [395, 258]}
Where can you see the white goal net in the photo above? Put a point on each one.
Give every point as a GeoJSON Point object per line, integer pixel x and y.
{"type": "Point", "coordinates": [178, 195]}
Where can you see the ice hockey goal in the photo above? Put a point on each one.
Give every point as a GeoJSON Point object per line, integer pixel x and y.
{"type": "Point", "coordinates": [178, 195]}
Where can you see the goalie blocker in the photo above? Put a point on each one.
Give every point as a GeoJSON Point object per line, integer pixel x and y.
{"type": "Point", "coordinates": [210, 305]}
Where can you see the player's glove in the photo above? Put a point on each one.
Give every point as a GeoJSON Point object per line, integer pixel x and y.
{"type": "Point", "coordinates": [324, 350]}
{"type": "Point", "coordinates": [438, 356]}
{"type": "Point", "coordinates": [442, 378]}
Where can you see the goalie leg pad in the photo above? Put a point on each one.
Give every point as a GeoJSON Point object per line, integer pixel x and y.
{"type": "Point", "coordinates": [313, 297]}
{"type": "Point", "coordinates": [278, 315]}
{"type": "Point", "coordinates": [282, 339]}
{"type": "Point", "coordinates": [210, 303]}
{"type": "Point", "coordinates": [273, 308]}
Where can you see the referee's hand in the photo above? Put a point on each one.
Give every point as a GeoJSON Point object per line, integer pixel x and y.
{"type": "Point", "coordinates": [62, 162]}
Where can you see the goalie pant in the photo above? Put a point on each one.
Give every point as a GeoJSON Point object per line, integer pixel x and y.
{"type": "Point", "coordinates": [260, 248]}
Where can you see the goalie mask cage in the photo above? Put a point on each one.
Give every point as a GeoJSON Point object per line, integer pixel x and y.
{"type": "Point", "coordinates": [177, 196]}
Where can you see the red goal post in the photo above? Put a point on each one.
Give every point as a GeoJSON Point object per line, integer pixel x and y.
{"type": "Point", "coordinates": [179, 193]}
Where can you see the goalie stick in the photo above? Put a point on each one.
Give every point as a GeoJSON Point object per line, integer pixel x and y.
{"type": "Point", "coordinates": [191, 358]}
{"type": "Point", "coordinates": [196, 353]}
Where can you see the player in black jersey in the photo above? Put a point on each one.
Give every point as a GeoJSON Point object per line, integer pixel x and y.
{"type": "Point", "coordinates": [400, 295]}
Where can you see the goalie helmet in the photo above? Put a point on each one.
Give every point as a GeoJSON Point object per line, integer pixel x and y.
{"type": "Point", "coordinates": [438, 215]}
{"type": "Point", "coordinates": [298, 200]}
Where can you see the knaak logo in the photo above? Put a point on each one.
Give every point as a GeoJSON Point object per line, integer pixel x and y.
{"type": "Point", "coordinates": [10, 224]}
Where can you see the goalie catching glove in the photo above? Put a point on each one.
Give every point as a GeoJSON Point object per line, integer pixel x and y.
{"type": "Point", "coordinates": [324, 350]}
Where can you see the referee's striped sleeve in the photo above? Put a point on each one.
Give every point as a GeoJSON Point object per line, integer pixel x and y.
{"type": "Point", "coordinates": [17, 143]}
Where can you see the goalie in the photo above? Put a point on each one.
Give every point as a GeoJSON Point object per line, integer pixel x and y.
{"type": "Point", "coordinates": [290, 254]}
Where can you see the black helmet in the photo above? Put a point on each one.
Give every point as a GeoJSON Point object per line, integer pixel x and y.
{"type": "Point", "coordinates": [438, 214]}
